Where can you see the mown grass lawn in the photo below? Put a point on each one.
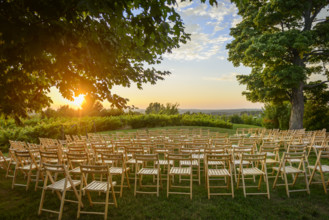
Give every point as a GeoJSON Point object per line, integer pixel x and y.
{"type": "Point", "coordinates": [21, 204]}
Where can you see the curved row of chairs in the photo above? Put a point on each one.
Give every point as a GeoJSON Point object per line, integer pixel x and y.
{"type": "Point", "coordinates": [104, 163]}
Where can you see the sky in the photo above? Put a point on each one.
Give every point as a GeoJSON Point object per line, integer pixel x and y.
{"type": "Point", "coordinates": [202, 77]}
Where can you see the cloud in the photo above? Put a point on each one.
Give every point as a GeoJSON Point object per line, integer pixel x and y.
{"type": "Point", "coordinates": [226, 77]}
{"type": "Point", "coordinates": [203, 22]}
{"type": "Point", "coordinates": [235, 21]}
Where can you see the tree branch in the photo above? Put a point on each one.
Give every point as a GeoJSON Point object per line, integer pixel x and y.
{"type": "Point", "coordinates": [315, 85]}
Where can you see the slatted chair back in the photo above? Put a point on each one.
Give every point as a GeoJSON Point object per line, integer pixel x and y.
{"type": "Point", "coordinates": [131, 151]}
{"type": "Point", "coordinates": [235, 141]}
{"type": "Point", "coordinates": [75, 160]}
{"type": "Point", "coordinates": [216, 150]}
{"type": "Point", "coordinates": [216, 141]}
{"type": "Point", "coordinates": [296, 148]}
{"type": "Point", "coordinates": [116, 158]}
{"type": "Point", "coordinates": [76, 138]}
{"type": "Point", "coordinates": [68, 138]}
{"type": "Point", "coordinates": [271, 150]}
{"type": "Point", "coordinates": [146, 159]}
{"type": "Point", "coordinates": [50, 157]}
{"type": "Point", "coordinates": [75, 147]}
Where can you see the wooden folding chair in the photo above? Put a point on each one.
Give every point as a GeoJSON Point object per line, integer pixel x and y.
{"type": "Point", "coordinates": [26, 164]}
{"type": "Point", "coordinates": [96, 186]}
{"type": "Point", "coordinates": [144, 169]}
{"type": "Point", "coordinates": [60, 187]}
{"type": "Point", "coordinates": [293, 169]}
{"type": "Point", "coordinates": [180, 171]}
{"type": "Point", "coordinates": [321, 168]}
{"type": "Point", "coordinates": [118, 168]}
{"type": "Point", "coordinates": [218, 165]}
{"type": "Point", "coordinates": [255, 160]}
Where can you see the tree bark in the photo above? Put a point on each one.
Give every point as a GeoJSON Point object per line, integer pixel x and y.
{"type": "Point", "coordinates": [297, 107]}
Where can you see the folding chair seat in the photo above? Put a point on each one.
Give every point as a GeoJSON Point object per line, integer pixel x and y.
{"type": "Point", "coordinates": [118, 168]}
{"type": "Point", "coordinates": [96, 186]}
{"type": "Point", "coordinates": [294, 169]}
{"type": "Point", "coordinates": [144, 169]}
{"type": "Point", "coordinates": [180, 171]}
{"type": "Point", "coordinates": [258, 168]}
{"type": "Point", "coordinates": [26, 164]}
{"type": "Point", "coordinates": [61, 187]}
{"type": "Point", "coordinates": [323, 156]}
{"type": "Point", "coordinates": [218, 166]}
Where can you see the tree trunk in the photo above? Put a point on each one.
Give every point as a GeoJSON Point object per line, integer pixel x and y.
{"type": "Point", "coordinates": [297, 107]}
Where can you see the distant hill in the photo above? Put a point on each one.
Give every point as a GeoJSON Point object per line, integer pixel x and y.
{"type": "Point", "coordinates": [217, 111]}
{"type": "Point", "coordinates": [221, 111]}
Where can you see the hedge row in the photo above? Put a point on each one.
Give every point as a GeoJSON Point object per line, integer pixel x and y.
{"type": "Point", "coordinates": [80, 126]}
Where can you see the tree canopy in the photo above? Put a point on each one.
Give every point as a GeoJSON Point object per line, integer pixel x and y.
{"type": "Point", "coordinates": [82, 46]}
{"type": "Point", "coordinates": [284, 42]}
{"type": "Point", "coordinates": [157, 108]}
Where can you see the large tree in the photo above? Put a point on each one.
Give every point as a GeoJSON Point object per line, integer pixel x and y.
{"type": "Point", "coordinates": [284, 42]}
{"type": "Point", "coordinates": [81, 46]}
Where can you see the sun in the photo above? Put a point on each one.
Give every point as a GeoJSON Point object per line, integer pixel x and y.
{"type": "Point", "coordinates": [78, 100]}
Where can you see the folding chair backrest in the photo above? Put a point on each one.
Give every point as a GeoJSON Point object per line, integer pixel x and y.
{"type": "Point", "coordinates": [116, 158]}
{"type": "Point", "coordinates": [296, 148]}
{"type": "Point", "coordinates": [226, 159]}
{"type": "Point", "coordinates": [77, 159]}
{"type": "Point", "coordinates": [179, 157]}
{"type": "Point", "coordinates": [254, 157]}
{"type": "Point", "coordinates": [92, 169]}
{"type": "Point", "coordinates": [294, 156]}
{"type": "Point", "coordinates": [146, 157]}
{"type": "Point", "coordinates": [50, 157]}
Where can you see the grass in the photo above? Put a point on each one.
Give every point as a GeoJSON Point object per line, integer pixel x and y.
{"type": "Point", "coordinates": [21, 204]}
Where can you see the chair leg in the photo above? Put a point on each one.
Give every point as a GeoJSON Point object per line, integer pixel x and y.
{"type": "Point", "coordinates": [135, 187]}
{"type": "Point", "coordinates": [191, 183]}
{"type": "Point", "coordinates": [106, 203]}
{"type": "Point", "coordinates": [286, 184]}
{"type": "Point", "coordinates": [306, 182]}
{"type": "Point", "coordinates": [41, 201]}
{"type": "Point", "coordinates": [323, 183]}
{"type": "Point", "coordinates": [158, 184]}
{"type": "Point", "coordinates": [62, 206]}
{"type": "Point", "coordinates": [232, 187]}
{"type": "Point", "coordinates": [168, 182]}
{"type": "Point", "coordinates": [14, 178]}
{"type": "Point", "coordinates": [208, 185]}
{"type": "Point", "coordinates": [243, 186]}
{"type": "Point", "coordinates": [122, 180]}
{"type": "Point", "coordinates": [28, 179]}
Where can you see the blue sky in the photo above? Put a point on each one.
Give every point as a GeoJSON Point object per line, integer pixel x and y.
{"type": "Point", "coordinates": [201, 78]}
